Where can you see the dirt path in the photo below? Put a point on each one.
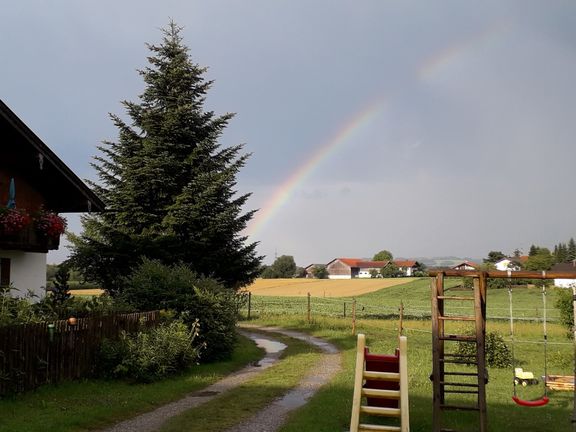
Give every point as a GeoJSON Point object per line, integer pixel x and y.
{"type": "Point", "coordinates": [273, 416]}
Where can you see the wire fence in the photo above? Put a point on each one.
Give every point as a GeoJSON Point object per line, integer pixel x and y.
{"type": "Point", "coordinates": [257, 306]}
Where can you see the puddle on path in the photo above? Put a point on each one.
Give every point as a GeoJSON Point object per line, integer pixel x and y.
{"type": "Point", "coordinates": [272, 347]}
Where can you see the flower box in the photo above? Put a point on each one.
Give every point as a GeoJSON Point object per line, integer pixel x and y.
{"type": "Point", "coordinates": [29, 240]}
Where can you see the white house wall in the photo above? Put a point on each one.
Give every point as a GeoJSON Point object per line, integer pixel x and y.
{"type": "Point", "coordinates": [339, 277]}
{"type": "Point", "coordinates": [564, 283]}
{"type": "Point", "coordinates": [27, 272]}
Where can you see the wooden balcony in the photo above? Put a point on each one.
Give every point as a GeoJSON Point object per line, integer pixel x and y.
{"type": "Point", "coordinates": [28, 240]}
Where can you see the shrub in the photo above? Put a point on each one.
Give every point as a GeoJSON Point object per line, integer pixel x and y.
{"type": "Point", "coordinates": [498, 354]}
{"type": "Point", "coordinates": [14, 310]}
{"type": "Point", "coordinates": [152, 354]}
{"type": "Point", "coordinates": [564, 303]}
{"type": "Point", "coordinates": [154, 285]}
{"type": "Point", "coordinates": [217, 311]}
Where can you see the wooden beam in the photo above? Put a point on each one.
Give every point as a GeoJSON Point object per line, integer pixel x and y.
{"type": "Point", "coordinates": [505, 275]}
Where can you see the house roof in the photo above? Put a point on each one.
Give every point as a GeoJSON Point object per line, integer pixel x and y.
{"type": "Point", "coordinates": [405, 263]}
{"type": "Point", "coordinates": [63, 190]}
{"type": "Point", "coordinates": [357, 262]}
{"type": "Point", "coordinates": [466, 263]}
{"type": "Point", "coordinates": [565, 267]}
{"type": "Point", "coordinates": [311, 266]}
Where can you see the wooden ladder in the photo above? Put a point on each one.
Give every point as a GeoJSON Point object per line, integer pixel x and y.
{"type": "Point", "coordinates": [449, 372]}
{"type": "Point", "coordinates": [362, 390]}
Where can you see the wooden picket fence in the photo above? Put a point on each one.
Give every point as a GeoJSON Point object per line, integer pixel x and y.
{"type": "Point", "coordinates": [50, 352]}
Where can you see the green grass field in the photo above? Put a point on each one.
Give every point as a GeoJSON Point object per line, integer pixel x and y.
{"type": "Point", "coordinates": [415, 295]}
{"type": "Point", "coordinates": [330, 409]}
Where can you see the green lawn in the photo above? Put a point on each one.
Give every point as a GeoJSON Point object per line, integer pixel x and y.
{"type": "Point", "coordinates": [329, 410]}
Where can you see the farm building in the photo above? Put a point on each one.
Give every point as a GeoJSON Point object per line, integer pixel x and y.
{"type": "Point", "coordinates": [35, 185]}
{"type": "Point", "coordinates": [407, 267]}
{"type": "Point", "coordinates": [512, 263]}
{"type": "Point", "coordinates": [465, 265]}
{"type": "Point", "coordinates": [310, 269]}
{"type": "Point", "coordinates": [565, 267]}
{"type": "Point", "coordinates": [348, 268]}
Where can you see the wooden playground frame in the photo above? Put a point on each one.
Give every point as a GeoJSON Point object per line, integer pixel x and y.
{"type": "Point", "coordinates": [439, 337]}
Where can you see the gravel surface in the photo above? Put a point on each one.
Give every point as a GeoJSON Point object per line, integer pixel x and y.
{"type": "Point", "coordinates": [271, 417]}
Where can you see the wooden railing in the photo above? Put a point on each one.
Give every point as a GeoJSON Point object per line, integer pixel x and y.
{"type": "Point", "coordinates": [29, 240]}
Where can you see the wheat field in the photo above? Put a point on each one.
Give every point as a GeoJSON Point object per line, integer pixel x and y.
{"type": "Point", "coordinates": [321, 287]}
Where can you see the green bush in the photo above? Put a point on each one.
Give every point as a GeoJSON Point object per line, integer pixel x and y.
{"type": "Point", "coordinates": [217, 311]}
{"type": "Point", "coordinates": [498, 354]}
{"type": "Point", "coordinates": [152, 354]}
{"type": "Point", "coordinates": [14, 310]}
{"type": "Point", "coordinates": [565, 306]}
{"type": "Point", "coordinates": [154, 285]}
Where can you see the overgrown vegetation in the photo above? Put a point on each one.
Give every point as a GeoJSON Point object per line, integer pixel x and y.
{"type": "Point", "coordinates": [498, 354]}
{"type": "Point", "coordinates": [151, 354]}
{"type": "Point", "coordinates": [565, 304]}
{"type": "Point", "coordinates": [193, 298]}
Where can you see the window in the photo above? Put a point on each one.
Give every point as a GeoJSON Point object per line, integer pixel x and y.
{"type": "Point", "coordinates": [4, 271]}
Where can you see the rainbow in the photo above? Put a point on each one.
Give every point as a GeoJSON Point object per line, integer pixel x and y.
{"type": "Point", "coordinates": [443, 59]}
{"type": "Point", "coordinates": [283, 193]}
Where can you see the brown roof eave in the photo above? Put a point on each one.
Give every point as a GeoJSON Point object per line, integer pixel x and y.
{"type": "Point", "coordinates": [49, 156]}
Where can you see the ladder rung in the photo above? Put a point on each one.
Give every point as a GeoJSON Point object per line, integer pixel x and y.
{"type": "Point", "coordinates": [363, 427]}
{"type": "Point", "coordinates": [461, 374]}
{"type": "Point", "coordinates": [381, 411]}
{"type": "Point", "coordinates": [455, 298]}
{"type": "Point", "coordinates": [382, 376]}
{"type": "Point", "coordinates": [460, 407]}
{"type": "Point", "coordinates": [456, 384]}
{"type": "Point", "coordinates": [454, 361]}
{"type": "Point", "coordinates": [461, 391]}
{"type": "Point", "coordinates": [448, 430]}
{"type": "Point", "coordinates": [456, 318]}
{"type": "Point", "coordinates": [381, 393]}
{"type": "Point", "coordinates": [458, 338]}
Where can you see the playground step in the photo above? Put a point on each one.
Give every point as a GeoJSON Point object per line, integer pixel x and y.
{"type": "Point", "coordinates": [363, 427]}
{"type": "Point", "coordinates": [455, 298]}
{"type": "Point", "coordinates": [382, 376]}
{"type": "Point", "coordinates": [456, 318]}
{"type": "Point", "coordinates": [458, 338]}
{"type": "Point", "coordinates": [380, 393]}
{"type": "Point", "coordinates": [460, 407]}
{"type": "Point", "coordinates": [380, 411]}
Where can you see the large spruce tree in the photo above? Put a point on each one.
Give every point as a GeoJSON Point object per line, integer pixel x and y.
{"type": "Point", "coordinates": [168, 185]}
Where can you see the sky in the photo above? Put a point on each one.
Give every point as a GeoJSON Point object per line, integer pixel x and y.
{"type": "Point", "coordinates": [426, 128]}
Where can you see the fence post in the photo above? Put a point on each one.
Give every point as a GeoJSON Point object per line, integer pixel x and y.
{"type": "Point", "coordinates": [400, 319]}
{"type": "Point", "coordinates": [354, 317]}
{"type": "Point", "coordinates": [249, 304]}
{"type": "Point", "coordinates": [344, 309]}
{"type": "Point", "coordinates": [308, 308]}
